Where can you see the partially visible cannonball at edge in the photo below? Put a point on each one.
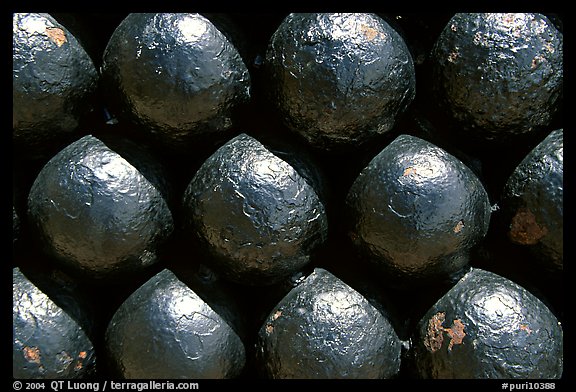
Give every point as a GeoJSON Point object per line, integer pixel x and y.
{"type": "Point", "coordinates": [53, 79]}
{"type": "Point", "coordinates": [174, 73]}
{"type": "Point", "coordinates": [255, 214]}
{"type": "Point", "coordinates": [96, 212]}
{"type": "Point", "coordinates": [48, 340]}
{"type": "Point", "coordinates": [533, 203]}
{"type": "Point", "coordinates": [498, 75]}
{"type": "Point", "coordinates": [339, 79]}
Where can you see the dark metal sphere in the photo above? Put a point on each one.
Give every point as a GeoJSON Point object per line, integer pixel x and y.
{"type": "Point", "coordinates": [339, 79]}
{"type": "Point", "coordinates": [416, 210]}
{"type": "Point", "coordinates": [175, 73]}
{"type": "Point", "coordinates": [258, 217]}
{"type": "Point", "coordinates": [52, 78]}
{"type": "Point", "coordinates": [533, 201]}
{"type": "Point", "coordinates": [164, 330]}
{"type": "Point", "coordinates": [96, 212]}
{"type": "Point", "coordinates": [48, 343]}
{"type": "Point", "coordinates": [499, 75]}
{"type": "Point", "coordinates": [324, 329]}
{"type": "Point", "coordinates": [487, 326]}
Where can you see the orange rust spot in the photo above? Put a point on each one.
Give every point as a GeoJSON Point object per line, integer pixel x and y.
{"type": "Point", "coordinates": [459, 227]}
{"type": "Point", "coordinates": [456, 333]}
{"type": "Point", "coordinates": [524, 229]}
{"type": "Point", "coordinates": [453, 56]}
{"type": "Point", "coordinates": [453, 27]}
{"type": "Point", "coordinates": [277, 314]}
{"type": "Point", "coordinates": [269, 329]}
{"type": "Point", "coordinates": [435, 333]}
{"type": "Point", "coordinates": [524, 327]}
{"type": "Point", "coordinates": [408, 171]}
{"type": "Point", "coordinates": [369, 32]}
{"type": "Point", "coordinates": [56, 35]}
{"type": "Point", "coordinates": [32, 354]}
{"type": "Point", "coordinates": [509, 18]}
{"type": "Point", "coordinates": [81, 355]}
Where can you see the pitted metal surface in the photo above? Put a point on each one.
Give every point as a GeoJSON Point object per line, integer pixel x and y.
{"type": "Point", "coordinates": [416, 210]}
{"type": "Point", "coordinates": [52, 79]}
{"type": "Point", "coordinates": [164, 330]}
{"type": "Point", "coordinates": [533, 201]}
{"type": "Point", "coordinates": [499, 74]}
{"type": "Point", "coordinates": [324, 329]}
{"type": "Point", "coordinates": [174, 73]}
{"type": "Point", "coordinates": [47, 342]}
{"type": "Point", "coordinates": [96, 212]}
{"type": "Point", "coordinates": [259, 218]}
{"type": "Point", "coordinates": [339, 79]}
{"type": "Point", "coordinates": [487, 326]}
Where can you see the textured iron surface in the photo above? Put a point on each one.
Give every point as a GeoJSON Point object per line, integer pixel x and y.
{"type": "Point", "coordinates": [96, 212]}
{"type": "Point", "coordinates": [258, 217]}
{"type": "Point", "coordinates": [47, 342]}
{"type": "Point", "coordinates": [416, 210]}
{"type": "Point", "coordinates": [487, 326]}
{"type": "Point", "coordinates": [175, 73]}
{"type": "Point", "coordinates": [533, 201]}
{"type": "Point", "coordinates": [164, 330]}
{"type": "Point", "coordinates": [52, 78]}
{"type": "Point", "coordinates": [499, 75]}
{"type": "Point", "coordinates": [339, 79]}
{"type": "Point", "coordinates": [324, 329]}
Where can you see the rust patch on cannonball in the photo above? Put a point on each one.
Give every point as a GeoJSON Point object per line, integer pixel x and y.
{"type": "Point", "coordinates": [459, 226]}
{"type": "Point", "coordinates": [277, 314]}
{"type": "Point", "coordinates": [81, 355]}
{"type": "Point", "coordinates": [456, 333]}
{"type": "Point", "coordinates": [408, 171]}
{"type": "Point", "coordinates": [369, 32]}
{"type": "Point", "coordinates": [524, 327]}
{"type": "Point", "coordinates": [32, 354]}
{"type": "Point", "coordinates": [269, 329]}
{"type": "Point", "coordinates": [435, 332]}
{"type": "Point", "coordinates": [56, 35]}
{"type": "Point", "coordinates": [524, 229]}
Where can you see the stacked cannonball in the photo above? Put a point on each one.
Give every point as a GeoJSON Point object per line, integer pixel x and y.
{"type": "Point", "coordinates": [288, 195]}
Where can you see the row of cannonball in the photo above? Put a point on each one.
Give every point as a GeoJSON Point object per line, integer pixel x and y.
{"type": "Point", "coordinates": [103, 208]}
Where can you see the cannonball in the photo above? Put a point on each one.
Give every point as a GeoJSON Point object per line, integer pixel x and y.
{"type": "Point", "coordinates": [339, 79]}
{"type": "Point", "coordinates": [96, 212]}
{"type": "Point", "coordinates": [164, 330]}
{"type": "Point", "coordinates": [48, 340]}
{"type": "Point", "coordinates": [255, 214]}
{"type": "Point", "coordinates": [175, 74]}
{"type": "Point", "coordinates": [324, 329]}
{"type": "Point", "coordinates": [53, 79]}
{"type": "Point", "coordinates": [498, 75]}
{"type": "Point", "coordinates": [489, 327]}
{"type": "Point", "coordinates": [415, 211]}
{"type": "Point", "coordinates": [533, 202]}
